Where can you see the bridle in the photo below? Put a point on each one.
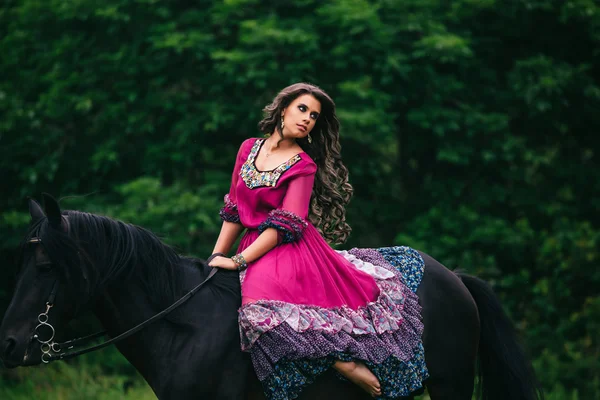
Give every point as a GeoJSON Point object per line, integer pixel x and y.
{"type": "Point", "coordinates": [52, 351]}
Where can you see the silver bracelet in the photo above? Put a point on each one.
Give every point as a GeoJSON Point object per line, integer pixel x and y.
{"type": "Point", "coordinates": [239, 261]}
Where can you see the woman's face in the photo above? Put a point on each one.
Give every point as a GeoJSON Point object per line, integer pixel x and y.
{"type": "Point", "coordinates": [300, 116]}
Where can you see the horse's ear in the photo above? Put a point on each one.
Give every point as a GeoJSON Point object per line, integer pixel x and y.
{"type": "Point", "coordinates": [52, 210]}
{"type": "Point", "coordinates": [35, 210]}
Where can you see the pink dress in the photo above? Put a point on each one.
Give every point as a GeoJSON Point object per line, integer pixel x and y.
{"type": "Point", "coordinates": [304, 304]}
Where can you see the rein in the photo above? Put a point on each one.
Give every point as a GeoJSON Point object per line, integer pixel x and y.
{"type": "Point", "coordinates": [48, 346]}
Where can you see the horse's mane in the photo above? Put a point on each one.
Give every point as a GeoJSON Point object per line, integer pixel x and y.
{"type": "Point", "coordinates": [99, 251]}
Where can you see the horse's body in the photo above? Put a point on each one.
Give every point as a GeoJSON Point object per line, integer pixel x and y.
{"type": "Point", "coordinates": [194, 353]}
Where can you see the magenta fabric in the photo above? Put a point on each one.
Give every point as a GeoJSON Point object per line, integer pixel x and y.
{"type": "Point", "coordinates": [303, 268]}
{"type": "Point", "coordinates": [304, 301]}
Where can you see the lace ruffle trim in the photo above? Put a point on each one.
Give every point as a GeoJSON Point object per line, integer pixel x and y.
{"type": "Point", "coordinates": [284, 342]}
{"type": "Point", "coordinates": [385, 314]}
{"type": "Point", "coordinates": [290, 225]}
{"type": "Point", "coordinates": [229, 211]}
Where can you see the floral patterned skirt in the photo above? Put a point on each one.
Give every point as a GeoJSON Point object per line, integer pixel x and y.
{"type": "Point", "coordinates": [293, 342]}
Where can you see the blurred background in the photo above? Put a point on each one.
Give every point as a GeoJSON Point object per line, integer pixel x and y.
{"type": "Point", "coordinates": [470, 129]}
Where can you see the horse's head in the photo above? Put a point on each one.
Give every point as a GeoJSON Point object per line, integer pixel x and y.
{"type": "Point", "coordinates": [44, 298]}
{"type": "Point", "coordinates": [75, 260]}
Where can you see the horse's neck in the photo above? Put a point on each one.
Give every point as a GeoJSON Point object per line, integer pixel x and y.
{"type": "Point", "coordinates": [201, 326]}
{"type": "Point", "coordinates": [124, 307]}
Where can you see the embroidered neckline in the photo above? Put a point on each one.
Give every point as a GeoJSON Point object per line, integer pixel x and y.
{"type": "Point", "coordinates": [254, 178]}
{"type": "Point", "coordinates": [259, 143]}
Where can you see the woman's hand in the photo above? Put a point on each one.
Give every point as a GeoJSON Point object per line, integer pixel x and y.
{"type": "Point", "coordinates": [222, 262]}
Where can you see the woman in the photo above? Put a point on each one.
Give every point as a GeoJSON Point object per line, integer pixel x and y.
{"type": "Point", "coordinates": [305, 307]}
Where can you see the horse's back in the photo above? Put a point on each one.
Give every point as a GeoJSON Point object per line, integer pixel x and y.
{"type": "Point", "coordinates": [451, 331]}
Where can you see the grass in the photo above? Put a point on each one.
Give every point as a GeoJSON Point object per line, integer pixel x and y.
{"type": "Point", "coordinates": [85, 380]}
{"type": "Point", "coordinates": [62, 381]}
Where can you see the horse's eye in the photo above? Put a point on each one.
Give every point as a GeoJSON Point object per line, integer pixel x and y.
{"type": "Point", "coordinates": [44, 267]}
{"type": "Point", "coordinates": [42, 261]}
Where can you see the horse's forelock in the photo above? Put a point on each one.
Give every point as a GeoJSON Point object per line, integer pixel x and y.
{"type": "Point", "coordinates": [69, 257]}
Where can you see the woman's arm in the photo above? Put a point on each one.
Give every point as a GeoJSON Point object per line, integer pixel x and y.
{"type": "Point", "coordinates": [284, 225]}
{"type": "Point", "coordinates": [230, 231]}
{"type": "Point", "coordinates": [261, 246]}
{"type": "Point", "coordinates": [231, 227]}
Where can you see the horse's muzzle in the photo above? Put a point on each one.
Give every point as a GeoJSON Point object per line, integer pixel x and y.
{"type": "Point", "coordinates": [12, 357]}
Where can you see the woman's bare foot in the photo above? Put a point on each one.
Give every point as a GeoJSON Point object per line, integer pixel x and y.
{"type": "Point", "coordinates": [359, 374]}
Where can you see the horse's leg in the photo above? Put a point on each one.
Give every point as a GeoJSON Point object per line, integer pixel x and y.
{"type": "Point", "coordinates": [451, 332]}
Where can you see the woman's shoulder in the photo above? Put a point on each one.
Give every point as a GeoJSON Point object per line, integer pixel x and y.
{"type": "Point", "coordinates": [307, 164]}
{"type": "Point", "coordinates": [248, 143]}
{"type": "Point", "coordinates": [246, 147]}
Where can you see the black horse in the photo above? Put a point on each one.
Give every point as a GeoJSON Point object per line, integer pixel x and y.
{"type": "Point", "coordinates": [125, 275]}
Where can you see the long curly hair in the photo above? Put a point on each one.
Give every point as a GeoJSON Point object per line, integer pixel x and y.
{"type": "Point", "coordinates": [331, 192]}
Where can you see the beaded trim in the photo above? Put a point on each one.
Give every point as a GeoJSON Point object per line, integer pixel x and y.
{"type": "Point", "coordinates": [289, 224]}
{"type": "Point", "coordinates": [254, 178]}
{"type": "Point", "coordinates": [229, 211]}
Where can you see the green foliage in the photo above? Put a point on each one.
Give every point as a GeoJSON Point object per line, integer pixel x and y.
{"type": "Point", "coordinates": [469, 128]}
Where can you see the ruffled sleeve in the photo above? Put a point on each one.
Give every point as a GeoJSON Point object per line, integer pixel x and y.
{"type": "Point", "coordinates": [229, 212]}
{"type": "Point", "coordinates": [290, 218]}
